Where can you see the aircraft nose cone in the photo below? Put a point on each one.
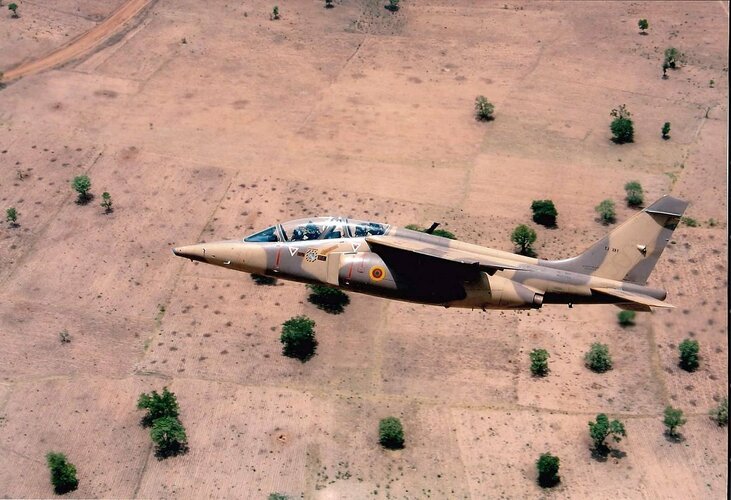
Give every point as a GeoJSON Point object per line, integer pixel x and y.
{"type": "Point", "coordinates": [192, 252]}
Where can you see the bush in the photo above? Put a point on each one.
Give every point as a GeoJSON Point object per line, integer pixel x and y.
{"type": "Point", "coordinates": [390, 433]}
{"type": "Point", "coordinates": [523, 237]}
{"type": "Point", "coordinates": [665, 130]}
{"type": "Point", "coordinates": [392, 5]}
{"type": "Point", "coordinates": [275, 13]}
{"type": "Point", "coordinates": [539, 362]}
{"type": "Point", "coordinates": [606, 212]}
{"type": "Point", "coordinates": [598, 358]}
{"type": "Point", "coordinates": [157, 406]}
{"type": "Point", "coordinates": [672, 57]}
{"type": "Point", "coordinates": [602, 428]}
{"type": "Point", "coordinates": [169, 437]}
{"type": "Point", "coordinates": [260, 279]}
{"type": "Point", "coordinates": [635, 195]}
{"type": "Point", "coordinates": [63, 473]}
{"type": "Point", "coordinates": [673, 419]}
{"type": "Point", "coordinates": [327, 298]}
{"type": "Point", "coordinates": [544, 212]}
{"type": "Point", "coordinates": [689, 221]}
{"type": "Point", "coordinates": [106, 203]}
{"type": "Point", "coordinates": [626, 318]}
{"type": "Point", "coordinates": [689, 354]}
{"type": "Point", "coordinates": [483, 108]}
{"type": "Point", "coordinates": [643, 25]}
{"type": "Point", "coordinates": [298, 338]}
{"type": "Point", "coordinates": [622, 127]}
{"type": "Point", "coordinates": [329, 4]}
{"type": "Point", "coordinates": [437, 232]}
{"type": "Point", "coordinates": [82, 185]}
{"type": "Point", "coordinates": [277, 496]}
{"type": "Point", "coordinates": [547, 466]}
{"type": "Point", "coordinates": [720, 413]}
{"type": "Point", "coordinates": [11, 216]}
{"type": "Point", "coordinates": [14, 8]}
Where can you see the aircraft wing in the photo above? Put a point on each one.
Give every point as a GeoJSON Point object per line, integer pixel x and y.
{"type": "Point", "coordinates": [416, 249]}
{"type": "Point", "coordinates": [643, 301]}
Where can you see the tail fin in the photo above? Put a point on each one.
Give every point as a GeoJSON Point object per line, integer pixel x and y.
{"type": "Point", "coordinates": [630, 252]}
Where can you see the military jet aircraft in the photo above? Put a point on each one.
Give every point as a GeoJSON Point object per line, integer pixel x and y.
{"type": "Point", "coordinates": [398, 263]}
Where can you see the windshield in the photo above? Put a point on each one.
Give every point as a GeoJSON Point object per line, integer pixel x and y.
{"type": "Point", "coordinates": [267, 235]}
{"type": "Point", "coordinates": [318, 228]}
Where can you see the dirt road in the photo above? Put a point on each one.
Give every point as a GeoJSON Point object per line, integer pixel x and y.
{"type": "Point", "coordinates": [81, 44]}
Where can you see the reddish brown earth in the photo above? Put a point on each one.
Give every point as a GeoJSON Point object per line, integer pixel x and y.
{"type": "Point", "coordinates": [354, 111]}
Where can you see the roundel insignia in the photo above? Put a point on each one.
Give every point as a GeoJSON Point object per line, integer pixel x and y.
{"type": "Point", "coordinates": [311, 255]}
{"type": "Point", "coordinates": [377, 273]}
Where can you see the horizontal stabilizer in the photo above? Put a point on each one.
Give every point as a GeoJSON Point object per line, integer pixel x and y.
{"type": "Point", "coordinates": [633, 298]}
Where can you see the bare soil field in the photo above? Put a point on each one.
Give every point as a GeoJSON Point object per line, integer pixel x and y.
{"type": "Point", "coordinates": [206, 121]}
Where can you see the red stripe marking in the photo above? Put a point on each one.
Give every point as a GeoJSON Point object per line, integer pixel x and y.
{"type": "Point", "coordinates": [276, 264]}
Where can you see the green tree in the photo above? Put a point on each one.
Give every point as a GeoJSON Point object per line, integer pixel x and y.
{"type": "Point", "coordinates": [82, 185]}
{"type": "Point", "coordinates": [484, 109]}
{"type": "Point", "coordinates": [672, 57]}
{"type": "Point", "coordinates": [169, 437]}
{"type": "Point", "coordinates": [635, 194]}
{"type": "Point", "coordinates": [606, 212]}
{"type": "Point", "coordinates": [107, 202]}
{"type": "Point", "coordinates": [720, 413]}
{"type": "Point", "coordinates": [11, 216]}
{"type": "Point", "coordinates": [14, 8]}
{"type": "Point", "coordinates": [260, 279]}
{"type": "Point", "coordinates": [622, 127]}
{"type": "Point", "coordinates": [328, 298]}
{"type": "Point", "coordinates": [598, 358]}
{"type": "Point", "coordinates": [539, 362]}
{"type": "Point", "coordinates": [548, 466]}
{"type": "Point", "coordinates": [391, 433]}
{"type": "Point", "coordinates": [673, 419]}
{"type": "Point", "coordinates": [298, 338]}
{"type": "Point", "coordinates": [524, 237]}
{"type": "Point", "coordinates": [643, 25]}
{"type": "Point", "coordinates": [392, 5]}
{"type": "Point", "coordinates": [544, 212]}
{"type": "Point", "coordinates": [158, 406]}
{"type": "Point", "coordinates": [626, 318]}
{"type": "Point", "coordinates": [63, 473]}
{"type": "Point", "coordinates": [689, 354]}
{"type": "Point", "coordinates": [602, 428]}
{"type": "Point", "coordinates": [666, 130]}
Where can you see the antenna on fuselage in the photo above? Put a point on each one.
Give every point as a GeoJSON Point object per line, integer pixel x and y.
{"type": "Point", "coordinates": [434, 225]}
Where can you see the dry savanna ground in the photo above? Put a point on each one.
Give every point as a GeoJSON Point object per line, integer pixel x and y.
{"type": "Point", "coordinates": [206, 120]}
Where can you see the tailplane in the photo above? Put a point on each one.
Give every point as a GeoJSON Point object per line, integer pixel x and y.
{"type": "Point", "coordinates": [630, 252]}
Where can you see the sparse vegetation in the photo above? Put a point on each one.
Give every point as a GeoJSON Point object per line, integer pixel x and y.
{"type": "Point", "coordinates": [666, 130]}
{"type": "Point", "coordinates": [597, 359]}
{"type": "Point", "coordinates": [437, 232]}
{"type": "Point", "coordinates": [606, 212]}
{"type": "Point", "coordinates": [689, 221]}
{"type": "Point", "coordinates": [392, 5]}
{"type": "Point", "coordinates": [689, 354]}
{"type": "Point", "coordinates": [63, 473]}
{"type": "Point", "coordinates": [672, 420]}
{"type": "Point", "coordinates": [643, 25]}
{"type": "Point", "coordinates": [548, 466]}
{"type": "Point", "coordinates": [14, 8]}
{"type": "Point", "coordinates": [719, 414]}
{"type": "Point", "coordinates": [672, 57]}
{"type": "Point", "coordinates": [711, 83]}
{"type": "Point", "coordinates": [603, 428]}
{"type": "Point", "coordinates": [106, 203]}
{"type": "Point", "coordinates": [11, 216]}
{"type": "Point", "coordinates": [166, 430]}
{"type": "Point", "coordinates": [622, 128]}
{"type": "Point", "coordinates": [82, 185]}
{"type": "Point", "coordinates": [539, 362]}
{"type": "Point", "coordinates": [523, 238]}
{"type": "Point", "coordinates": [391, 433]}
{"type": "Point", "coordinates": [544, 212]}
{"type": "Point", "coordinates": [635, 195]}
{"type": "Point", "coordinates": [626, 318]}
{"type": "Point", "coordinates": [277, 496]}
{"type": "Point", "coordinates": [484, 109]}
{"type": "Point", "coordinates": [328, 298]}
{"type": "Point", "coordinates": [260, 279]}
{"type": "Point", "coordinates": [64, 336]}
{"type": "Point", "coordinates": [275, 14]}
{"type": "Point", "coordinates": [298, 338]}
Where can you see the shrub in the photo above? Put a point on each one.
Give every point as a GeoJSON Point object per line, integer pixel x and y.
{"type": "Point", "coordinates": [606, 212]}
{"type": "Point", "coordinates": [689, 221]}
{"type": "Point", "coordinates": [169, 437]}
{"type": "Point", "coordinates": [63, 473]}
{"type": "Point", "coordinates": [260, 279]}
{"type": "Point", "coordinates": [11, 216]}
{"type": "Point", "coordinates": [602, 428]}
{"type": "Point", "coordinates": [64, 336]}
{"type": "Point", "coordinates": [672, 57]}
{"type": "Point", "coordinates": [689, 354]}
{"type": "Point", "coordinates": [157, 406]}
{"type": "Point", "coordinates": [82, 185]}
{"type": "Point", "coordinates": [626, 318]}
{"type": "Point", "coordinates": [327, 298]}
{"type": "Point", "coordinates": [673, 419]}
{"type": "Point", "coordinates": [666, 130]}
{"type": "Point", "coordinates": [544, 212]}
{"type": "Point", "coordinates": [635, 194]}
{"type": "Point", "coordinates": [392, 5]}
{"type": "Point", "coordinates": [390, 433]}
{"type": "Point", "coordinates": [523, 237]}
{"type": "Point", "coordinates": [14, 8]}
{"type": "Point", "coordinates": [720, 413]}
{"type": "Point", "coordinates": [539, 362]}
{"type": "Point", "coordinates": [277, 496]}
{"type": "Point", "coordinates": [643, 25]}
{"type": "Point", "coordinates": [598, 358]}
{"type": "Point", "coordinates": [298, 338]}
{"type": "Point", "coordinates": [275, 13]}
{"type": "Point", "coordinates": [483, 108]}
{"type": "Point", "coordinates": [107, 202]}
{"type": "Point", "coordinates": [622, 127]}
{"type": "Point", "coordinates": [329, 4]}
{"type": "Point", "coordinates": [437, 232]}
{"type": "Point", "coordinates": [547, 466]}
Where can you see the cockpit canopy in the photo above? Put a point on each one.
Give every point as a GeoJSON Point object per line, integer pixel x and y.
{"type": "Point", "coordinates": [318, 228]}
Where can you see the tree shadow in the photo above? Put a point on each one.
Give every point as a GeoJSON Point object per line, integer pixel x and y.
{"type": "Point", "coordinates": [171, 450]}
{"type": "Point", "coordinates": [674, 437]}
{"type": "Point", "coordinates": [548, 481]}
{"type": "Point", "coordinates": [260, 279]}
{"type": "Point", "coordinates": [303, 350]}
{"type": "Point", "coordinates": [84, 199]}
{"type": "Point", "coordinates": [603, 452]}
{"type": "Point", "coordinates": [331, 303]}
